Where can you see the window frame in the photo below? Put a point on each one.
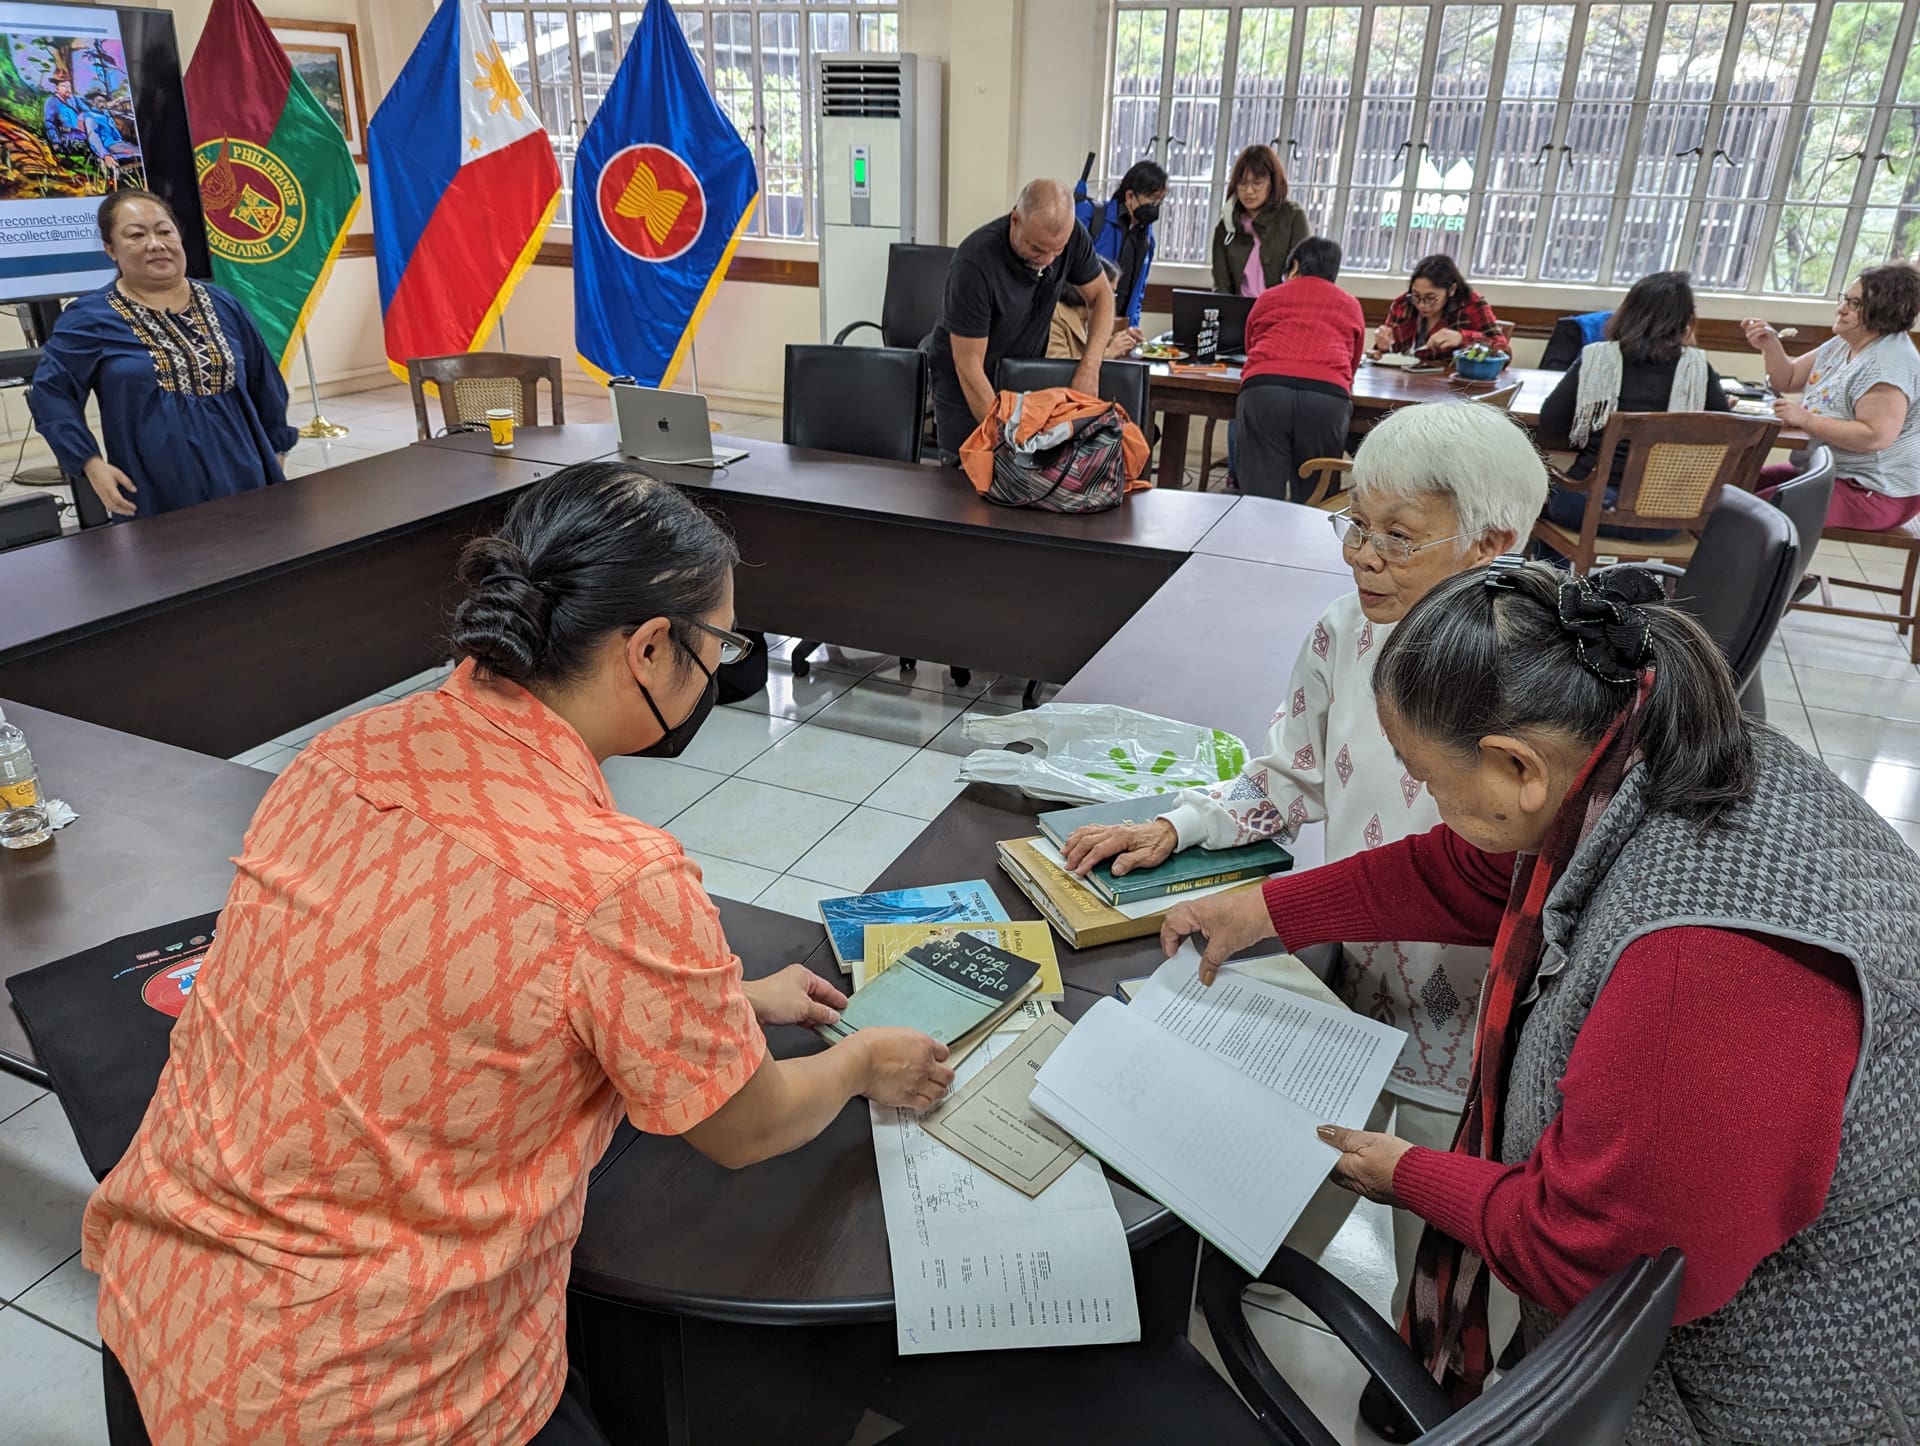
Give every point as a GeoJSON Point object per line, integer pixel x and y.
{"type": "Point", "coordinates": [1722, 106]}
{"type": "Point", "coordinates": [751, 13]}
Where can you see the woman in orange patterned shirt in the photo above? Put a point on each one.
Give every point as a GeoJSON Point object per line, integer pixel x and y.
{"type": "Point", "coordinates": [447, 964]}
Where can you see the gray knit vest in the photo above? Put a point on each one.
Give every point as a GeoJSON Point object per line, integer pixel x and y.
{"type": "Point", "coordinates": [1822, 1344]}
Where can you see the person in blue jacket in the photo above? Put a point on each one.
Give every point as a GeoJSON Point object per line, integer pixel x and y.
{"type": "Point", "coordinates": [1122, 231]}
{"type": "Point", "coordinates": [192, 406]}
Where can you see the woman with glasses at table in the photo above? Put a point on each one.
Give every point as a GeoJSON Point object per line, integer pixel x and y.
{"type": "Point", "coordinates": [1437, 315]}
{"type": "Point", "coordinates": [447, 967]}
{"type": "Point", "coordinates": [1860, 395]}
{"type": "Point", "coordinates": [1437, 489]}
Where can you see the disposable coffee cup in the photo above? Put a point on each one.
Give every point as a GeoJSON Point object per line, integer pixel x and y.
{"type": "Point", "coordinates": [500, 425]}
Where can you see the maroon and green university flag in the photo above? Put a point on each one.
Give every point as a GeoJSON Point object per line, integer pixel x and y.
{"type": "Point", "coordinates": [277, 181]}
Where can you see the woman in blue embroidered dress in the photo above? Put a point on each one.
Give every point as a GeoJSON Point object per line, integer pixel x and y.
{"type": "Point", "coordinates": [191, 405]}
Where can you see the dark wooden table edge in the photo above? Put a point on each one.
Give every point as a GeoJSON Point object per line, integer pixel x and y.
{"type": "Point", "coordinates": [838, 1311]}
{"type": "Point", "coordinates": [265, 574]}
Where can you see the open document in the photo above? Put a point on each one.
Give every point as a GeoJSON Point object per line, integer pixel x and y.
{"type": "Point", "coordinates": [1208, 1099]}
{"type": "Point", "coordinates": [979, 1266]}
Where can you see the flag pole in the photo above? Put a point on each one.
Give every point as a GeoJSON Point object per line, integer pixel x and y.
{"type": "Point", "coordinates": [693, 362]}
{"type": "Point", "coordinates": [503, 331]}
{"type": "Point", "coordinates": [319, 426]}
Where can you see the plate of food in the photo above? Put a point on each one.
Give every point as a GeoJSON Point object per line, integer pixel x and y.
{"type": "Point", "coordinates": [1395, 359]}
{"type": "Point", "coordinates": [1160, 351]}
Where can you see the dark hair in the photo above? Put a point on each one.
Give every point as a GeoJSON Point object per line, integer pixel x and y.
{"type": "Point", "coordinates": [1468, 661]}
{"type": "Point", "coordinates": [1259, 160]}
{"type": "Point", "coordinates": [110, 208]}
{"type": "Point", "coordinates": [1444, 272]}
{"type": "Point", "coordinates": [1143, 178]}
{"type": "Point", "coordinates": [1889, 298]}
{"type": "Point", "coordinates": [1317, 256]}
{"type": "Point", "coordinates": [1654, 318]}
{"type": "Point", "coordinates": [596, 548]}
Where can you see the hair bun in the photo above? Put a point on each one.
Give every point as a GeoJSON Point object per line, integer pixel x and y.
{"type": "Point", "coordinates": [1613, 635]}
{"type": "Point", "coordinates": [503, 621]}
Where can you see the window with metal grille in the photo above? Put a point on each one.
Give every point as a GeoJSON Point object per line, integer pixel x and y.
{"type": "Point", "coordinates": [758, 56]}
{"type": "Point", "coordinates": [1768, 146]}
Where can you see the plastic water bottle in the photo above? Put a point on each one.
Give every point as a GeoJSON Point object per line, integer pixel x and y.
{"type": "Point", "coordinates": [23, 818]}
{"type": "Point", "coordinates": [1207, 344]}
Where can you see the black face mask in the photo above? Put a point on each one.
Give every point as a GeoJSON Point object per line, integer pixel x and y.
{"type": "Point", "coordinates": [1146, 215]}
{"type": "Point", "coordinates": [673, 742]}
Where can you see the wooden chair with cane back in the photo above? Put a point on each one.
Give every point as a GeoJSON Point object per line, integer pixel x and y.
{"type": "Point", "coordinates": [472, 383]}
{"type": "Point", "coordinates": [1677, 465]}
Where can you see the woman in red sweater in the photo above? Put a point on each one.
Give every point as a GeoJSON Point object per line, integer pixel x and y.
{"type": "Point", "coordinates": [1304, 340]}
{"type": "Point", "coordinates": [1697, 1029]}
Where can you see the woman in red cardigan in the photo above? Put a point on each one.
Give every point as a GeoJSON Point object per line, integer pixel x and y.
{"type": "Point", "coordinates": [1304, 339]}
{"type": "Point", "coordinates": [1437, 315]}
{"type": "Point", "coordinates": [1698, 1029]}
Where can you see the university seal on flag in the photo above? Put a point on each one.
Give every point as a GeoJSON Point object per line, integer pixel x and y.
{"type": "Point", "coordinates": [651, 202]}
{"type": "Point", "coordinates": [255, 208]}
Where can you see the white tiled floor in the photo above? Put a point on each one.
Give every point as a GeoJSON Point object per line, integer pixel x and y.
{"type": "Point", "coordinates": [811, 789]}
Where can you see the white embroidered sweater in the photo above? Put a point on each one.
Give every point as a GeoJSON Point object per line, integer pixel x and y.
{"type": "Point", "coordinates": [1327, 757]}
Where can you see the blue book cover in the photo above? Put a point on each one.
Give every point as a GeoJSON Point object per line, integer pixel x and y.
{"type": "Point", "coordinates": [847, 918]}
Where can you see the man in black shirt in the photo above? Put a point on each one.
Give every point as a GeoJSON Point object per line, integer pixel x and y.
{"type": "Point", "coordinates": [1001, 290]}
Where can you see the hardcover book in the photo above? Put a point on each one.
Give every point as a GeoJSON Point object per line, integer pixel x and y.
{"type": "Point", "coordinates": [1188, 870]}
{"type": "Point", "coordinates": [1027, 938]}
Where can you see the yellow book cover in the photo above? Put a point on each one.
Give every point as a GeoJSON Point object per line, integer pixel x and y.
{"type": "Point", "coordinates": [1028, 938]}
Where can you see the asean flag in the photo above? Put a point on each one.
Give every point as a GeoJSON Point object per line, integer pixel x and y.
{"type": "Point", "coordinates": [663, 189]}
{"type": "Point", "coordinates": [464, 183]}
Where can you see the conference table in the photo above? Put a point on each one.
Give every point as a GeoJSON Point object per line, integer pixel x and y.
{"type": "Point", "coordinates": [1185, 604]}
{"type": "Point", "coordinates": [1181, 393]}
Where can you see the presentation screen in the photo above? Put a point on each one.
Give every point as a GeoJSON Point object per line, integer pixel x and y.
{"type": "Point", "coordinates": [90, 101]}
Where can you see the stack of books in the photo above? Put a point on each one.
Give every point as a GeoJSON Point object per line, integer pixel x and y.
{"type": "Point", "coordinates": [1102, 908]}
{"type": "Point", "coordinates": [959, 990]}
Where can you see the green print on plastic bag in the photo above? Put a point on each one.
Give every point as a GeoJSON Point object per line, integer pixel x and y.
{"type": "Point", "coordinates": [1229, 757]}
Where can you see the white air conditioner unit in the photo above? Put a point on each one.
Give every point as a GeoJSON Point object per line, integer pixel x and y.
{"type": "Point", "coordinates": [878, 159]}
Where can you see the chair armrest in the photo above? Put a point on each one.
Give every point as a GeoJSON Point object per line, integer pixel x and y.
{"type": "Point", "coordinates": [850, 328]}
{"type": "Point", "coordinates": [1571, 484]}
{"type": "Point", "coordinates": [1374, 1343]}
{"type": "Point", "coordinates": [1328, 474]}
{"type": "Point", "coordinates": [1273, 1402]}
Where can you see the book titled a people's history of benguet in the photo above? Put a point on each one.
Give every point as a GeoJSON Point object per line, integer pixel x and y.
{"type": "Point", "coordinates": [972, 902]}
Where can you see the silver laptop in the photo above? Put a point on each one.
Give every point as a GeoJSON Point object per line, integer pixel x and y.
{"type": "Point", "coordinates": [667, 428]}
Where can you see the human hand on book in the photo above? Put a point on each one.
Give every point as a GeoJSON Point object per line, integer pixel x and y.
{"type": "Point", "coordinates": [904, 1067]}
{"type": "Point", "coordinates": [1229, 922]}
{"type": "Point", "coordinates": [1367, 1161]}
{"type": "Point", "coordinates": [1130, 845]}
{"type": "Point", "coordinates": [796, 995]}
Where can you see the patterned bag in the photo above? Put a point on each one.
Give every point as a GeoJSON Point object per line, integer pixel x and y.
{"type": "Point", "coordinates": [1075, 466]}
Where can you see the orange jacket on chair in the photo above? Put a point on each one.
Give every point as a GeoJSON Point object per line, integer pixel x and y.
{"type": "Point", "coordinates": [1041, 412]}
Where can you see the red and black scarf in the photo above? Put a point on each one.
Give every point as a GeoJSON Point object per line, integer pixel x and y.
{"type": "Point", "coordinates": [1446, 1321]}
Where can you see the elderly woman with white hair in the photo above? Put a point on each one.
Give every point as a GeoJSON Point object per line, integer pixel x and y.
{"type": "Point", "coordinates": [1437, 489]}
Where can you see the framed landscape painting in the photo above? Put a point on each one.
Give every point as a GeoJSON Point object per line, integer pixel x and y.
{"type": "Point", "coordinates": [326, 55]}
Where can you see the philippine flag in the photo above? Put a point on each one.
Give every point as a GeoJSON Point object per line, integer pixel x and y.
{"type": "Point", "coordinates": [463, 181]}
{"type": "Point", "coordinates": [663, 189]}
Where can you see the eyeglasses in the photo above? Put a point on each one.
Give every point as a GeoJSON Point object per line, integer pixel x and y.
{"type": "Point", "coordinates": [1391, 550]}
{"type": "Point", "coordinates": [733, 647]}
{"type": "Point", "coordinates": [1851, 303]}
{"type": "Point", "coordinates": [1426, 298]}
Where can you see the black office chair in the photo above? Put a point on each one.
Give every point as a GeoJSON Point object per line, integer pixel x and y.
{"type": "Point", "coordinates": [861, 399]}
{"type": "Point", "coordinates": [867, 400]}
{"type": "Point", "coordinates": [916, 286]}
{"type": "Point", "coordinates": [1580, 1385]}
{"type": "Point", "coordinates": [1804, 498]}
{"type": "Point", "coordinates": [1125, 382]}
{"type": "Point", "coordinates": [27, 518]}
{"type": "Point", "coordinates": [1740, 579]}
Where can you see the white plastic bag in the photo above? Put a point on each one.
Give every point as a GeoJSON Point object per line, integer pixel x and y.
{"type": "Point", "coordinates": [1097, 752]}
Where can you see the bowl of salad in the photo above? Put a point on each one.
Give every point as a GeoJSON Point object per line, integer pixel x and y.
{"type": "Point", "coordinates": [1479, 362]}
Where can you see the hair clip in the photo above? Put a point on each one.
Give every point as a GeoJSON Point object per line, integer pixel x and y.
{"type": "Point", "coordinates": [1500, 569]}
